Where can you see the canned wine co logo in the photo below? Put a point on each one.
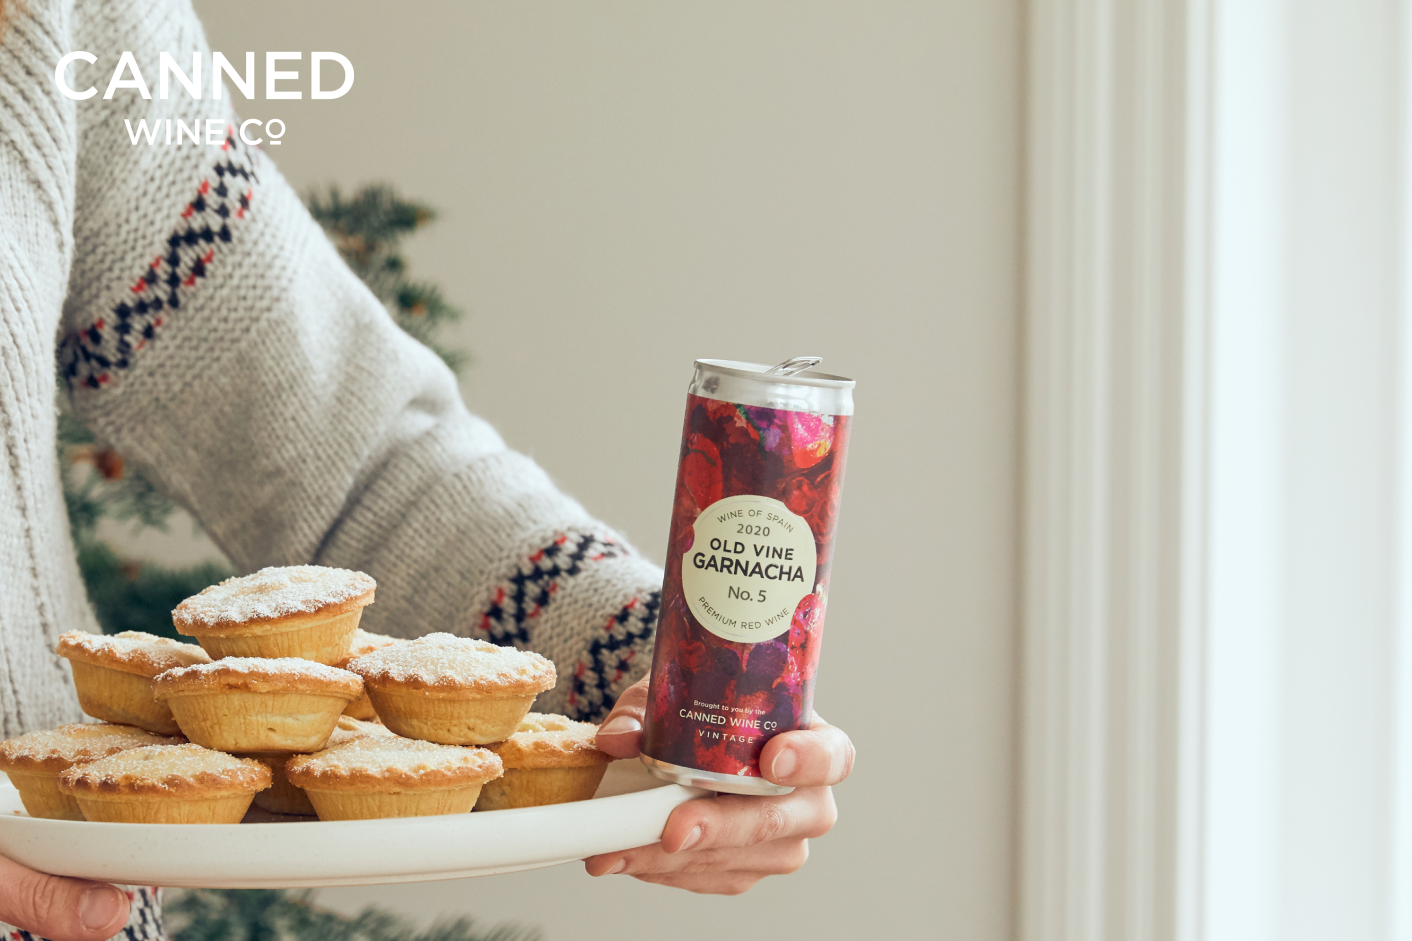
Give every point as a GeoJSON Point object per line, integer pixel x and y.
{"type": "Point", "coordinates": [172, 77]}
{"type": "Point", "coordinates": [752, 561]}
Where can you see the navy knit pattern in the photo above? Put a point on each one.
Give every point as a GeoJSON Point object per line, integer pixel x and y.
{"type": "Point", "coordinates": [600, 675]}
{"type": "Point", "coordinates": [91, 358]}
{"type": "Point", "coordinates": [529, 592]}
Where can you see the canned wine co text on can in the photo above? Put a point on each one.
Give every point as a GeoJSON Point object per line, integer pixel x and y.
{"type": "Point", "coordinates": [747, 570]}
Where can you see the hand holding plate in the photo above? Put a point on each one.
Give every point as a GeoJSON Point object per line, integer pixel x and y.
{"type": "Point", "coordinates": [727, 843]}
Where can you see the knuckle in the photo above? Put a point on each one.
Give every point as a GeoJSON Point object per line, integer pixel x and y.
{"type": "Point", "coordinates": [824, 816]}
{"type": "Point", "coordinates": [654, 861]}
{"type": "Point", "coordinates": [636, 694]}
{"type": "Point", "coordinates": [771, 822]}
{"type": "Point", "coordinates": [712, 864]}
{"type": "Point", "coordinates": [34, 901]}
{"type": "Point", "coordinates": [691, 820]}
{"type": "Point", "coordinates": [707, 862]}
{"type": "Point", "coordinates": [637, 860]}
{"type": "Point", "coordinates": [697, 866]}
{"type": "Point", "coordinates": [739, 884]}
{"type": "Point", "coordinates": [797, 856]}
{"type": "Point", "coordinates": [829, 816]}
{"type": "Point", "coordinates": [840, 756]}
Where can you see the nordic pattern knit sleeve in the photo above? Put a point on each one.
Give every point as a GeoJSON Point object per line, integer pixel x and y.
{"type": "Point", "coordinates": [214, 336]}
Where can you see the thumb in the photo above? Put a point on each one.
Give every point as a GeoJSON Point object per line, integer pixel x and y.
{"type": "Point", "coordinates": [57, 908]}
{"type": "Point", "coordinates": [620, 735]}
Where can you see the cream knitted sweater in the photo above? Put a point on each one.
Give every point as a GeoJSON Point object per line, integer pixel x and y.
{"type": "Point", "coordinates": [203, 324]}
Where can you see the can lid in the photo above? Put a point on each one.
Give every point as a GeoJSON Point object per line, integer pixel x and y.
{"type": "Point", "coordinates": [808, 377]}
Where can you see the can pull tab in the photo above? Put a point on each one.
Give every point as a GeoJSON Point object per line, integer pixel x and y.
{"type": "Point", "coordinates": [791, 366]}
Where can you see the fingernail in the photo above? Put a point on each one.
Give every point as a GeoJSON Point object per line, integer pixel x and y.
{"type": "Point", "coordinates": [620, 724]}
{"type": "Point", "coordinates": [618, 867]}
{"type": "Point", "coordinates": [691, 840]}
{"type": "Point", "coordinates": [99, 906]}
{"type": "Point", "coordinates": [784, 764]}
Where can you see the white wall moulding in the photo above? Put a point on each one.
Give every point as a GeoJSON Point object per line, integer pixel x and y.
{"type": "Point", "coordinates": [1105, 486]}
{"type": "Point", "coordinates": [1217, 660]}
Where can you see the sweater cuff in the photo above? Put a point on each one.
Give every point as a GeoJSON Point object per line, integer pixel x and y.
{"type": "Point", "coordinates": [587, 602]}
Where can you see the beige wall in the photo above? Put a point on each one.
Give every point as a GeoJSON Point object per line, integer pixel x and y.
{"type": "Point", "coordinates": [626, 186]}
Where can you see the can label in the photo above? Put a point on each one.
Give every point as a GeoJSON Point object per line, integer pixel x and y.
{"type": "Point", "coordinates": [746, 583]}
{"type": "Point", "coordinates": [750, 565]}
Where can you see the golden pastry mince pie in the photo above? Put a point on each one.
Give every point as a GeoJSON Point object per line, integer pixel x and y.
{"type": "Point", "coordinates": [550, 760]}
{"type": "Point", "coordinates": [306, 611]}
{"type": "Point", "coordinates": [244, 704]}
{"type": "Point", "coordinates": [166, 784]}
{"type": "Point", "coordinates": [35, 761]}
{"type": "Point", "coordinates": [385, 776]}
{"type": "Point", "coordinates": [113, 675]}
{"type": "Point", "coordinates": [364, 642]}
{"type": "Point", "coordinates": [453, 690]}
{"type": "Point", "coordinates": [285, 798]}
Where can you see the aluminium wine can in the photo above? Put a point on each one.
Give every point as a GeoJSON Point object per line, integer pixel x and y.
{"type": "Point", "coordinates": [747, 570]}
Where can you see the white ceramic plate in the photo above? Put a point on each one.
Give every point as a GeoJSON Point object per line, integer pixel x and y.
{"type": "Point", "coordinates": [630, 809]}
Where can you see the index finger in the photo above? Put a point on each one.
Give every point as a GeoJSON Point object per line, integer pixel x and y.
{"type": "Point", "coordinates": [820, 756]}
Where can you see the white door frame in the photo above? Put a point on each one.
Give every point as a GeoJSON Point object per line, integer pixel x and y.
{"type": "Point", "coordinates": [1217, 729]}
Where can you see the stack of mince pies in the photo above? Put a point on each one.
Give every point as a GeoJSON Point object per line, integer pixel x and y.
{"type": "Point", "coordinates": [285, 703]}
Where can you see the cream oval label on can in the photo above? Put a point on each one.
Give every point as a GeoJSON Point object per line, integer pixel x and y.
{"type": "Point", "coordinates": [752, 561]}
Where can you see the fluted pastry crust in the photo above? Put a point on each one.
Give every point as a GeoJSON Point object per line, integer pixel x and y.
{"type": "Point", "coordinates": [551, 741]}
{"type": "Point", "coordinates": [387, 763]}
{"type": "Point", "coordinates": [56, 750]}
{"type": "Point", "coordinates": [443, 665]}
{"type": "Point", "coordinates": [130, 652]}
{"type": "Point", "coordinates": [181, 771]}
{"type": "Point", "coordinates": [257, 675]}
{"type": "Point", "coordinates": [273, 599]}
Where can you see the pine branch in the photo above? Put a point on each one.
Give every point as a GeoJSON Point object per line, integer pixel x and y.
{"type": "Point", "coordinates": [367, 230]}
{"type": "Point", "coordinates": [139, 596]}
{"type": "Point", "coordinates": [279, 915]}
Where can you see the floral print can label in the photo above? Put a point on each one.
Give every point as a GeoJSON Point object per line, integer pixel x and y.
{"type": "Point", "coordinates": [747, 572]}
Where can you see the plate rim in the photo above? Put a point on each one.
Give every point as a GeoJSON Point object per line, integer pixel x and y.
{"type": "Point", "coordinates": [185, 855]}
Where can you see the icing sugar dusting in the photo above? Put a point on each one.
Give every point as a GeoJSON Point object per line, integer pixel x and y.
{"type": "Point", "coordinates": [366, 642]}
{"type": "Point", "coordinates": [544, 740]}
{"type": "Point", "coordinates": [135, 646]}
{"type": "Point", "coordinates": [350, 729]}
{"type": "Point", "coordinates": [304, 672]}
{"type": "Point", "coordinates": [552, 722]}
{"type": "Point", "coordinates": [372, 754]}
{"type": "Point", "coordinates": [273, 593]}
{"type": "Point", "coordinates": [167, 765]}
{"type": "Point", "coordinates": [445, 658]}
{"type": "Point", "coordinates": [80, 741]}
{"type": "Point", "coordinates": [260, 666]}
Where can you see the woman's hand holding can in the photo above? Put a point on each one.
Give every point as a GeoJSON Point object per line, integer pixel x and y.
{"type": "Point", "coordinates": [727, 843]}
